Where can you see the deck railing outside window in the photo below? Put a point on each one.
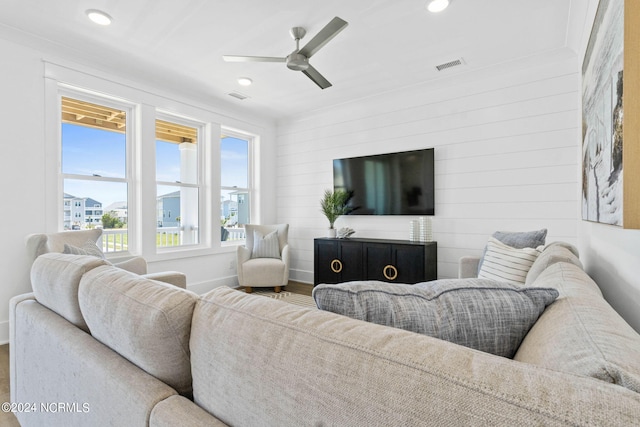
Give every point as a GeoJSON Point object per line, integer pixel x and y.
{"type": "Point", "coordinates": [115, 239]}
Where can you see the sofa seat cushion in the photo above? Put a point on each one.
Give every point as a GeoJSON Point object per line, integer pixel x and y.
{"type": "Point", "coordinates": [581, 333]}
{"type": "Point", "coordinates": [483, 314]}
{"type": "Point", "coordinates": [145, 321]}
{"type": "Point", "coordinates": [55, 279]}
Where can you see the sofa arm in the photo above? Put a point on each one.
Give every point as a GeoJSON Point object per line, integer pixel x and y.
{"type": "Point", "coordinates": [468, 267]}
{"type": "Point", "coordinates": [136, 265]}
{"type": "Point", "coordinates": [172, 277]}
{"type": "Point", "coordinates": [180, 411]}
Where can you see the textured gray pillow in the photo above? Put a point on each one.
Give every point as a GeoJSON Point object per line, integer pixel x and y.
{"type": "Point", "coordinates": [518, 240]}
{"type": "Point", "coordinates": [487, 315]}
{"type": "Point", "coordinates": [89, 248]}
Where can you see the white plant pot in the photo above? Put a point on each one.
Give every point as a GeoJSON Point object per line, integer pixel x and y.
{"type": "Point", "coordinates": [332, 232]}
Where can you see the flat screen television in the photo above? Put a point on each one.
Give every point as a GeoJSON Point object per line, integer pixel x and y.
{"type": "Point", "coordinates": [388, 184]}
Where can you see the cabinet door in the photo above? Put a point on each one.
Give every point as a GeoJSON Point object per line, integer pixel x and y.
{"type": "Point", "coordinates": [351, 260]}
{"type": "Point", "coordinates": [378, 256]}
{"type": "Point", "coordinates": [409, 263]}
{"type": "Point", "coordinates": [326, 252]}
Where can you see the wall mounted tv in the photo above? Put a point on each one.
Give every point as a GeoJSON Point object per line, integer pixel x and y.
{"type": "Point", "coordinates": [388, 184]}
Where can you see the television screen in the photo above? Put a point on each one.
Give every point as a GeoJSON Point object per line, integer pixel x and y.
{"type": "Point", "coordinates": [388, 184]}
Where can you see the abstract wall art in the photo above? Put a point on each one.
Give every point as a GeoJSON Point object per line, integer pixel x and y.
{"type": "Point", "coordinates": [602, 117]}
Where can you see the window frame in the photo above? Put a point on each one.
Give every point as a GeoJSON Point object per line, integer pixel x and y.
{"type": "Point", "coordinates": [74, 80]}
{"type": "Point", "coordinates": [203, 150]}
{"type": "Point", "coordinates": [131, 141]}
{"type": "Point", "coordinates": [251, 144]}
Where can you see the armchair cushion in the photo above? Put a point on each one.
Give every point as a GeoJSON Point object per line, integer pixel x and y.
{"type": "Point", "coordinates": [265, 246]}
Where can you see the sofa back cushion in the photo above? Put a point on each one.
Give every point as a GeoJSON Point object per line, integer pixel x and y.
{"type": "Point", "coordinates": [55, 278]}
{"type": "Point", "coordinates": [259, 361]}
{"type": "Point", "coordinates": [581, 333]}
{"type": "Point", "coordinates": [553, 253]}
{"type": "Point", "coordinates": [145, 321]}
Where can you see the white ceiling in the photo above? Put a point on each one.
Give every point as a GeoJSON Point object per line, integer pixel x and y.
{"type": "Point", "coordinates": [388, 43]}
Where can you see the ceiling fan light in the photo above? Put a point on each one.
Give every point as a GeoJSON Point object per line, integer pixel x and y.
{"type": "Point", "coordinates": [435, 6]}
{"type": "Point", "coordinates": [99, 17]}
{"type": "Point", "coordinates": [244, 81]}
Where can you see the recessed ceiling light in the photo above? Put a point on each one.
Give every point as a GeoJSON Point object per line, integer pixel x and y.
{"type": "Point", "coordinates": [436, 6]}
{"type": "Point", "coordinates": [99, 17]}
{"type": "Point", "coordinates": [244, 81]}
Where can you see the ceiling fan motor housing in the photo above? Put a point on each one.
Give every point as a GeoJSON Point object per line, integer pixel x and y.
{"type": "Point", "coordinates": [297, 61]}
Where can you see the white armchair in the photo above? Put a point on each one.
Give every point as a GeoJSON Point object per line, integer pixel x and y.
{"type": "Point", "coordinates": [468, 267]}
{"type": "Point", "coordinates": [38, 244]}
{"type": "Point", "coordinates": [257, 268]}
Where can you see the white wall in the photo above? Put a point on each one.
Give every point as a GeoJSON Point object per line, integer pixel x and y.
{"type": "Point", "coordinates": [506, 150]}
{"type": "Point", "coordinates": [23, 165]}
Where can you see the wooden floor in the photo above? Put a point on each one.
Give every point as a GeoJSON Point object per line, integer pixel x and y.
{"type": "Point", "coordinates": [299, 288]}
{"type": "Point", "coordinates": [296, 288]}
{"type": "Point", "coordinates": [7, 419]}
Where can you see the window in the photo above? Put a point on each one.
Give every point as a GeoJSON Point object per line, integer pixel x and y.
{"type": "Point", "coordinates": [235, 190]}
{"type": "Point", "coordinates": [178, 180]}
{"type": "Point", "coordinates": [94, 144]}
{"type": "Point", "coordinates": [144, 168]}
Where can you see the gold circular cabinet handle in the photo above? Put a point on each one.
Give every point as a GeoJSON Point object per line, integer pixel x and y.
{"type": "Point", "coordinates": [394, 272]}
{"type": "Point", "coordinates": [336, 266]}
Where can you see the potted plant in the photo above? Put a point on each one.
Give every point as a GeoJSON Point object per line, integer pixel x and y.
{"type": "Point", "coordinates": [333, 204]}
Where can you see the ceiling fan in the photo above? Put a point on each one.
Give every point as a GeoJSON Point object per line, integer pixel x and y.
{"type": "Point", "coordinates": [298, 60]}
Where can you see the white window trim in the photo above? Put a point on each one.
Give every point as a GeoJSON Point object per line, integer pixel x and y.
{"type": "Point", "coordinates": [253, 211]}
{"type": "Point", "coordinates": [204, 198]}
{"type": "Point", "coordinates": [63, 90]}
{"type": "Point", "coordinates": [142, 204]}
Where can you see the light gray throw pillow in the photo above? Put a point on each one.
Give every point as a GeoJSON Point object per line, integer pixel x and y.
{"type": "Point", "coordinates": [518, 240]}
{"type": "Point", "coordinates": [487, 315]}
{"type": "Point", "coordinates": [265, 246]}
{"type": "Point", "coordinates": [89, 248]}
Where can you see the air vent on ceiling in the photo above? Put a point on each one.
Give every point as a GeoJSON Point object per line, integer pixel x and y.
{"type": "Point", "coordinates": [450, 64]}
{"type": "Point", "coordinates": [238, 95]}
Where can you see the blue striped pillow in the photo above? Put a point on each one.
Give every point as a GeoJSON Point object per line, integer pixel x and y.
{"type": "Point", "coordinates": [265, 246]}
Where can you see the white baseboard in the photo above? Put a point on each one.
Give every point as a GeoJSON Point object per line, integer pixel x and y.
{"type": "Point", "coordinates": [204, 287]}
{"type": "Point", "coordinates": [4, 332]}
{"type": "Point", "coordinates": [302, 276]}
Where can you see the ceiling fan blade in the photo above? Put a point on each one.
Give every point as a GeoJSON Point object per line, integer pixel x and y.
{"type": "Point", "coordinates": [239, 58]}
{"type": "Point", "coordinates": [323, 37]}
{"type": "Point", "coordinates": [317, 78]}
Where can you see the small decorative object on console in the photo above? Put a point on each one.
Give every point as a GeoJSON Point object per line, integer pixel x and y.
{"type": "Point", "coordinates": [345, 232]}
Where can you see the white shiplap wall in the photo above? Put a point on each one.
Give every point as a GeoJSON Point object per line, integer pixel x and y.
{"type": "Point", "coordinates": [506, 149]}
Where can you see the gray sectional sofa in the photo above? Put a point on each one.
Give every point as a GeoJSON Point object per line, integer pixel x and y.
{"type": "Point", "coordinates": [111, 348]}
